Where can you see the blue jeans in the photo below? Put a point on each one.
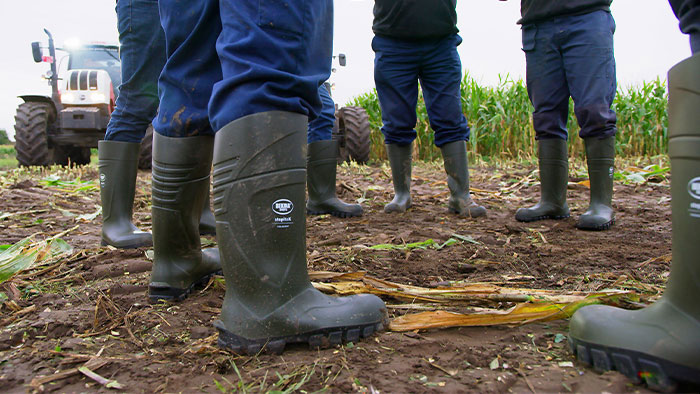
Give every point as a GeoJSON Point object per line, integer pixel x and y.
{"type": "Point", "coordinates": [321, 128]}
{"type": "Point", "coordinates": [232, 58]}
{"type": "Point", "coordinates": [142, 54]}
{"type": "Point", "coordinates": [398, 67]}
{"type": "Point", "coordinates": [571, 56]}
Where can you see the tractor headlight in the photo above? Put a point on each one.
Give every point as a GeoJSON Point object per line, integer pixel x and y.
{"type": "Point", "coordinates": [97, 97]}
{"type": "Point", "coordinates": [67, 98]}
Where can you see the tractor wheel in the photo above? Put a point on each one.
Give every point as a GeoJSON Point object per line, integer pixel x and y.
{"type": "Point", "coordinates": [31, 135]}
{"type": "Point", "coordinates": [353, 125]}
{"type": "Point", "coordinates": [146, 147]}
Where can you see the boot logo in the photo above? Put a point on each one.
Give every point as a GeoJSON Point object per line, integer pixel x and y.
{"type": "Point", "coordinates": [282, 207]}
{"type": "Point", "coordinates": [103, 178]}
{"type": "Point", "coordinates": [694, 188]}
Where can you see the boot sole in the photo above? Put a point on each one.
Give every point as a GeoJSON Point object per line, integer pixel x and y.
{"type": "Point", "coordinates": [658, 374]}
{"type": "Point", "coordinates": [157, 294]}
{"type": "Point", "coordinates": [128, 246]}
{"type": "Point", "coordinates": [602, 227]}
{"type": "Point", "coordinates": [544, 217]}
{"type": "Point", "coordinates": [337, 214]}
{"type": "Point", "coordinates": [316, 339]}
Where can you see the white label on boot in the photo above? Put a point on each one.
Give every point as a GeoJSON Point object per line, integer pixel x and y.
{"type": "Point", "coordinates": [694, 191]}
{"type": "Point", "coordinates": [283, 207]}
{"type": "Point", "coordinates": [103, 178]}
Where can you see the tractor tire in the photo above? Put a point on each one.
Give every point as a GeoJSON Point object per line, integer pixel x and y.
{"type": "Point", "coordinates": [145, 155]}
{"type": "Point", "coordinates": [31, 135]}
{"type": "Point", "coordinates": [353, 125]}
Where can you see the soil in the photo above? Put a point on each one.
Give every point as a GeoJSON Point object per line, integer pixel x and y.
{"type": "Point", "coordinates": [95, 302]}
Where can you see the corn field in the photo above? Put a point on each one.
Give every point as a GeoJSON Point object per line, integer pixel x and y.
{"type": "Point", "coordinates": [500, 119]}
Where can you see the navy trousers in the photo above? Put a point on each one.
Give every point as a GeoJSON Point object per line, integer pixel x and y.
{"type": "Point", "coordinates": [321, 128]}
{"type": "Point", "coordinates": [571, 56]}
{"type": "Point", "coordinates": [142, 54]}
{"type": "Point", "coordinates": [232, 58]}
{"type": "Point", "coordinates": [398, 67]}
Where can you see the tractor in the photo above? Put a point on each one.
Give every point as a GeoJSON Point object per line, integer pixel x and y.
{"type": "Point", "coordinates": [62, 128]}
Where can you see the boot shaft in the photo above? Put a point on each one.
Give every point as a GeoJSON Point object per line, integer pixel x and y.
{"type": "Point", "coordinates": [454, 155]}
{"type": "Point", "coordinates": [684, 152]}
{"type": "Point", "coordinates": [400, 160]}
{"type": "Point", "coordinates": [553, 157]}
{"type": "Point", "coordinates": [259, 191]}
{"type": "Point", "coordinates": [118, 167]}
{"type": "Point", "coordinates": [600, 156]}
{"type": "Point", "coordinates": [321, 169]}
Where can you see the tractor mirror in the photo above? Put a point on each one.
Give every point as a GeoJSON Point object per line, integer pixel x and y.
{"type": "Point", "coordinates": [36, 52]}
{"type": "Point", "coordinates": [342, 60]}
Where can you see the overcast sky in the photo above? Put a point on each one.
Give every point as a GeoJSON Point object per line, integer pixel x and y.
{"type": "Point", "coordinates": [647, 42]}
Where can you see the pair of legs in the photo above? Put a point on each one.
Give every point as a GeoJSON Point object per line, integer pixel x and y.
{"type": "Point", "coordinates": [660, 344]}
{"type": "Point", "coordinates": [398, 67]}
{"type": "Point", "coordinates": [322, 164]}
{"type": "Point", "coordinates": [243, 77]}
{"type": "Point", "coordinates": [142, 55]}
{"type": "Point", "coordinates": [572, 56]}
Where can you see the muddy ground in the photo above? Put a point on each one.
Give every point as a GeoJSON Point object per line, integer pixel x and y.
{"type": "Point", "coordinates": [94, 303]}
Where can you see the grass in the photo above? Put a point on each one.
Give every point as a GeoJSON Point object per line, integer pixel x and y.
{"type": "Point", "coordinates": [501, 122]}
{"type": "Point", "coordinates": [7, 157]}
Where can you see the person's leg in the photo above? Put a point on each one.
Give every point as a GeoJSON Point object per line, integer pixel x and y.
{"type": "Point", "coordinates": [142, 54]}
{"type": "Point", "coordinates": [688, 13]}
{"type": "Point", "coordinates": [660, 344]}
{"type": "Point", "coordinates": [396, 78]}
{"type": "Point", "coordinates": [549, 94]}
{"type": "Point", "coordinates": [182, 149]}
{"type": "Point", "coordinates": [260, 111]}
{"type": "Point", "coordinates": [590, 71]}
{"type": "Point", "coordinates": [321, 164]}
{"type": "Point", "coordinates": [440, 77]}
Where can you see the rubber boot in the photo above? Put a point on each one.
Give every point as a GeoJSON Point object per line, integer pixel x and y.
{"type": "Point", "coordinates": [180, 184]}
{"type": "Point", "coordinates": [400, 162]}
{"type": "Point", "coordinates": [600, 155]}
{"type": "Point", "coordinates": [259, 190]}
{"type": "Point", "coordinates": [661, 343]}
{"type": "Point", "coordinates": [321, 171]}
{"type": "Point", "coordinates": [207, 223]}
{"type": "Point", "coordinates": [118, 162]}
{"type": "Point", "coordinates": [554, 178]}
{"type": "Point", "coordinates": [454, 155]}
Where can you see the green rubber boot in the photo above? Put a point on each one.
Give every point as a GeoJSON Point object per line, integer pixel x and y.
{"type": "Point", "coordinates": [180, 183]}
{"type": "Point", "coordinates": [454, 155]}
{"type": "Point", "coordinates": [554, 178]}
{"type": "Point", "coordinates": [207, 223]}
{"type": "Point", "coordinates": [259, 190]}
{"type": "Point", "coordinates": [118, 163]}
{"type": "Point", "coordinates": [320, 177]}
{"type": "Point", "coordinates": [661, 343]}
{"type": "Point", "coordinates": [400, 162]}
{"type": "Point", "coordinates": [600, 154]}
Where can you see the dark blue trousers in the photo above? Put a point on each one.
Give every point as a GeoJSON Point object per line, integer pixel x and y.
{"type": "Point", "coordinates": [232, 58]}
{"type": "Point", "coordinates": [321, 128]}
{"type": "Point", "coordinates": [572, 56]}
{"type": "Point", "coordinates": [398, 67]}
{"type": "Point", "coordinates": [142, 54]}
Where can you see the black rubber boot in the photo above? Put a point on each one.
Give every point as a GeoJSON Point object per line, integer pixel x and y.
{"type": "Point", "coordinates": [554, 178]}
{"type": "Point", "coordinates": [321, 171]}
{"type": "Point", "coordinates": [180, 183]}
{"type": "Point", "coordinates": [660, 344]}
{"type": "Point", "coordinates": [118, 162]}
{"type": "Point", "coordinates": [600, 154]}
{"type": "Point", "coordinates": [207, 223]}
{"type": "Point", "coordinates": [259, 190]}
{"type": "Point", "coordinates": [454, 155]}
{"type": "Point", "coordinates": [400, 161]}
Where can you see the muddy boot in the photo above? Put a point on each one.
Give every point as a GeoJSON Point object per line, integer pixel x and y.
{"type": "Point", "coordinates": [554, 177]}
{"type": "Point", "coordinates": [118, 163]}
{"type": "Point", "coordinates": [600, 154]}
{"type": "Point", "coordinates": [321, 170]}
{"type": "Point", "coordinates": [661, 343]}
{"type": "Point", "coordinates": [207, 223]}
{"type": "Point", "coordinates": [400, 162]}
{"type": "Point", "coordinates": [454, 155]}
{"type": "Point", "coordinates": [180, 184]}
{"type": "Point", "coordinates": [259, 190]}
